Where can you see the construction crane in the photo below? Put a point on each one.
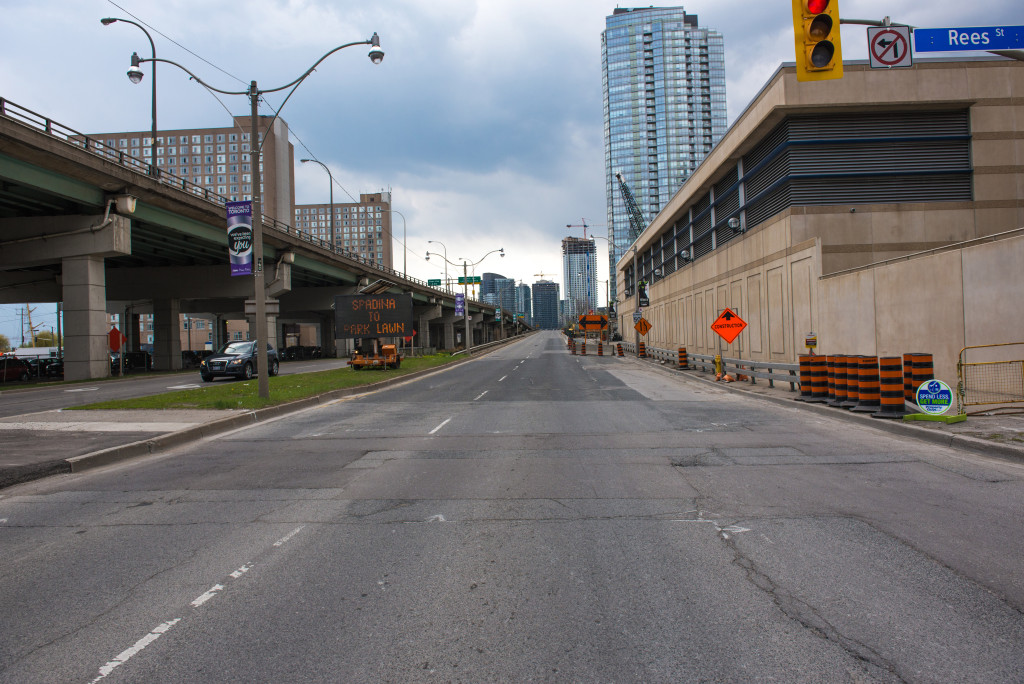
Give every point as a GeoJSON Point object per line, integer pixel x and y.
{"type": "Point", "coordinates": [583, 225]}
{"type": "Point", "coordinates": [541, 275]}
{"type": "Point", "coordinates": [636, 219]}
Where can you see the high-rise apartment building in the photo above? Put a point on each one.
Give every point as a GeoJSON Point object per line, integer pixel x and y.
{"type": "Point", "coordinates": [579, 273]}
{"type": "Point", "coordinates": [545, 305]}
{"type": "Point", "coordinates": [523, 303]}
{"type": "Point", "coordinates": [217, 160]}
{"type": "Point", "coordinates": [664, 109]}
{"type": "Point", "coordinates": [362, 227]}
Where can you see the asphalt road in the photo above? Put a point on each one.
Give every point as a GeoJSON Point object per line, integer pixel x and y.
{"type": "Point", "coordinates": [19, 399]}
{"type": "Point", "coordinates": [528, 516]}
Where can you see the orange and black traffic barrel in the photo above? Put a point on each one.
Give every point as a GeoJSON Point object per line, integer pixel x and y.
{"type": "Point", "coordinates": [642, 352]}
{"type": "Point", "coordinates": [618, 349]}
{"type": "Point", "coordinates": [923, 370]}
{"type": "Point", "coordinates": [839, 382]}
{"type": "Point", "coordinates": [890, 377]}
{"type": "Point", "coordinates": [819, 380]}
{"type": "Point", "coordinates": [600, 348]}
{"type": "Point", "coordinates": [583, 348]}
{"type": "Point", "coordinates": [805, 377]}
{"type": "Point", "coordinates": [852, 382]}
{"type": "Point", "coordinates": [684, 361]}
{"type": "Point", "coordinates": [868, 397]}
{"type": "Point", "coordinates": [908, 377]}
{"type": "Point", "coordinates": [830, 362]}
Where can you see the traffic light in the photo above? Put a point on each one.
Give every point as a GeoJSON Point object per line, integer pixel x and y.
{"type": "Point", "coordinates": [819, 53]}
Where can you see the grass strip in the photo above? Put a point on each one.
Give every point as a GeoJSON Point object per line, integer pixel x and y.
{"type": "Point", "coordinates": [229, 394]}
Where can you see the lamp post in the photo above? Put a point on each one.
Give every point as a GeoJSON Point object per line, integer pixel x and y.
{"type": "Point", "coordinates": [155, 170]}
{"type": "Point", "coordinates": [376, 55]}
{"type": "Point", "coordinates": [446, 262]}
{"type": "Point", "coordinates": [331, 177]}
{"type": "Point", "coordinates": [465, 288]}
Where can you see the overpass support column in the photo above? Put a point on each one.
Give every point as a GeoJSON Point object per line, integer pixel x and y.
{"type": "Point", "coordinates": [85, 320]}
{"type": "Point", "coordinates": [328, 343]}
{"type": "Point", "coordinates": [166, 334]}
{"type": "Point", "coordinates": [448, 323]}
{"type": "Point", "coordinates": [423, 318]}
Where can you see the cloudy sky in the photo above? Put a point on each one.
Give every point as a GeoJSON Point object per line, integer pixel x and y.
{"type": "Point", "coordinates": [484, 119]}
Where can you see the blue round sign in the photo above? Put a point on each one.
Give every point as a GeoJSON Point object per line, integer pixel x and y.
{"type": "Point", "coordinates": [934, 397]}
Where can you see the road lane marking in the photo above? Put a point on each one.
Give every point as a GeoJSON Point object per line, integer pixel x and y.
{"type": "Point", "coordinates": [203, 598]}
{"type": "Point", "coordinates": [179, 387]}
{"type": "Point", "coordinates": [83, 389]}
{"type": "Point", "coordinates": [480, 395]}
{"type": "Point", "coordinates": [136, 648]}
{"type": "Point", "coordinates": [502, 378]}
{"type": "Point", "coordinates": [441, 425]}
{"type": "Point", "coordinates": [241, 571]}
{"type": "Point", "coordinates": [288, 536]}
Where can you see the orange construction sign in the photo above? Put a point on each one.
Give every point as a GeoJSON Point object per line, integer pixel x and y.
{"type": "Point", "coordinates": [729, 325]}
{"type": "Point", "coordinates": [593, 322]}
{"type": "Point", "coordinates": [643, 326]}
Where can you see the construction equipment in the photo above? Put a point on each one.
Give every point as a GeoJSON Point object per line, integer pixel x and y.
{"type": "Point", "coordinates": [377, 356]}
{"type": "Point", "coordinates": [584, 226]}
{"type": "Point", "coordinates": [637, 223]}
{"type": "Point", "coordinates": [541, 275]}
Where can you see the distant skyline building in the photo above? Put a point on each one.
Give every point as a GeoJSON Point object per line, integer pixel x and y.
{"type": "Point", "coordinates": [524, 303]}
{"type": "Point", "coordinates": [579, 273]}
{"type": "Point", "coordinates": [545, 305]}
{"type": "Point", "coordinates": [664, 109]}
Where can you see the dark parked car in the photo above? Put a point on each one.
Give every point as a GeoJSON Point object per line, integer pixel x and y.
{"type": "Point", "coordinates": [13, 368]}
{"type": "Point", "coordinates": [236, 359]}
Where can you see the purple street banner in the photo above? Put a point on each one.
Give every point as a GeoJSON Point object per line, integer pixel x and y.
{"type": "Point", "coordinates": [240, 237]}
{"type": "Point", "coordinates": [460, 304]}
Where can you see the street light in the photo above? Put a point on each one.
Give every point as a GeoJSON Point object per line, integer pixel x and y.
{"type": "Point", "coordinates": [135, 77]}
{"type": "Point", "coordinates": [376, 55]}
{"type": "Point", "coordinates": [331, 177]}
{"type": "Point", "coordinates": [446, 262]}
{"type": "Point", "coordinates": [465, 288]}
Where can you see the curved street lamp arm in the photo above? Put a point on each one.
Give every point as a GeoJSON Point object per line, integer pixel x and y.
{"type": "Point", "coordinates": [136, 60]}
{"type": "Point", "coordinates": [299, 80]}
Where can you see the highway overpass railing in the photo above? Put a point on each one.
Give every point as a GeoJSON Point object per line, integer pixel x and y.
{"type": "Point", "coordinates": [99, 148]}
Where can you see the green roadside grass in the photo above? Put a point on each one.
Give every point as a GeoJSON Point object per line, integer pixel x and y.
{"type": "Point", "coordinates": [232, 394]}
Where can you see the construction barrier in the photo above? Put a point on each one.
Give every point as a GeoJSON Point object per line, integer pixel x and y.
{"type": "Point", "coordinates": [805, 377]}
{"type": "Point", "coordinates": [830, 362]}
{"type": "Point", "coordinates": [819, 380]}
{"type": "Point", "coordinates": [890, 377]}
{"type": "Point", "coordinates": [618, 350]}
{"type": "Point", "coordinates": [642, 353]}
{"type": "Point", "coordinates": [839, 384]}
{"type": "Point", "coordinates": [583, 348]}
{"type": "Point", "coordinates": [684, 362]}
{"type": "Point", "coordinates": [923, 370]}
{"type": "Point", "coordinates": [852, 382]}
{"type": "Point", "coordinates": [600, 348]}
{"type": "Point", "coordinates": [868, 397]}
{"type": "Point", "coordinates": [908, 377]}
{"type": "Point", "coordinates": [994, 378]}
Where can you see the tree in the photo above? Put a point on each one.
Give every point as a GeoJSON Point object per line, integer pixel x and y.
{"type": "Point", "coordinates": [5, 344]}
{"type": "Point", "coordinates": [46, 339]}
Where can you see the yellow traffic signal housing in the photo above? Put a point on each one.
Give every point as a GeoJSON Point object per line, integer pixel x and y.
{"type": "Point", "coordinates": [819, 52]}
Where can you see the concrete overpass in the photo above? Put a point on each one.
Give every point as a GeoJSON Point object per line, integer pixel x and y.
{"type": "Point", "coordinates": [83, 224]}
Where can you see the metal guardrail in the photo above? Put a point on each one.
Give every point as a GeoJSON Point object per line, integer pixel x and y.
{"type": "Point", "coordinates": [26, 117]}
{"type": "Point", "coordinates": [989, 383]}
{"type": "Point", "coordinates": [765, 370]}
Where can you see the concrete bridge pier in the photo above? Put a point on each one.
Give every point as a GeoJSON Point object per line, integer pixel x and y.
{"type": "Point", "coordinates": [85, 320]}
{"type": "Point", "coordinates": [166, 334]}
{"type": "Point", "coordinates": [424, 315]}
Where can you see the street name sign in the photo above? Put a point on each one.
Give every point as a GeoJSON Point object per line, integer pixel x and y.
{"type": "Point", "coordinates": [728, 325]}
{"type": "Point", "coordinates": [468, 280]}
{"type": "Point", "coordinates": [889, 46]}
{"type": "Point", "coordinates": [970, 38]}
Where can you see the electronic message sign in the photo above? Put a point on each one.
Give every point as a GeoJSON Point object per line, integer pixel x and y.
{"type": "Point", "coordinates": [379, 315]}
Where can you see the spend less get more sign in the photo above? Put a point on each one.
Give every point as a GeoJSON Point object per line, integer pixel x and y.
{"type": "Point", "coordinates": [380, 315]}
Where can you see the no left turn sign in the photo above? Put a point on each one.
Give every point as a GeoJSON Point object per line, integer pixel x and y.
{"type": "Point", "coordinates": [889, 46]}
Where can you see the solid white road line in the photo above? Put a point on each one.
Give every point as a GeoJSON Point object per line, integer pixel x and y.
{"type": "Point", "coordinates": [441, 425]}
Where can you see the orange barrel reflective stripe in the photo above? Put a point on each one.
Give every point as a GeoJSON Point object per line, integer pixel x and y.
{"type": "Point", "coordinates": [831, 363]}
{"type": "Point", "coordinates": [805, 377]}
{"type": "Point", "coordinates": [908, 378]}
{"type": "Point", "coordinates": [839, 385]}
{"type": "Point", "coordinates": [684, 361]}
{"type": "Point", "coordinates": [819, 380]}
{"type": "Point", "coordinates": [869, 399]}
{"type": "Point", "coordinates": [923, 371]}
{"type": "Point", "coordinates": [852, 382]}
{"type": "Point", "coordinates": [890, 377]}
